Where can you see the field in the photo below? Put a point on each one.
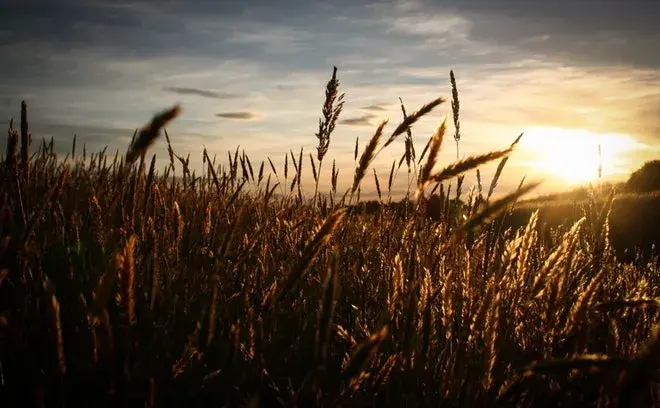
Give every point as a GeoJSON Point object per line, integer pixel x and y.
{"type": "Point", "coordinates": [633, 219]}
{"type": "Point", "coordinates": [122, 287]}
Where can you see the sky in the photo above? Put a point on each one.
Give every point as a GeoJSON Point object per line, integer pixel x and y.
{"type": "Point", "coordinates": [570, 75]}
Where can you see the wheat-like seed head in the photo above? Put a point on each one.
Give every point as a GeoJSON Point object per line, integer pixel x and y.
{"type": "Point", "coordinates": [434, 147]}
{"type": "Point", "coordinates": [149, 133]}
{"type": "Point", "coordinates": [367, 156]}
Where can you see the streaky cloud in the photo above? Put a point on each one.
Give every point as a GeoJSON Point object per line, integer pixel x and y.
{"type": "Point", "coordinates": [364, 120]}
{"type": "Point", "coordinates": [379, 107]}
{"type": "Point", "coordinates": [237, 115]}
{"type": "Point", "coordinates": [200, 92]}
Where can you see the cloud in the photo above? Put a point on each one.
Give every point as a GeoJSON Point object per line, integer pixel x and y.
{"type": "Point", "coordinates": [603, 100]}
{"type": "Point", "coordinates": [200, 92]}
{"type": "Point", "coordinates": [238, 115]}
{"type": "Point", "coordinates": [273, 39]}
{"type": "Point", "coordinates": [579, 66]}
{"type": "Point", "coordinates": [607, 32]}
{"type": "Point", "coordinates": [365, 120]}
{"type": "Point", "coordinates": [285, 87]}
{"type": "Point", "coordinates": [420, 24]}
{"type": "Point", "coordinates": [378, 107]}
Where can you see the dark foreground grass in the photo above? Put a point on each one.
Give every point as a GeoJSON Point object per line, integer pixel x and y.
{"type": "Point", "coordinates": [119, 287]}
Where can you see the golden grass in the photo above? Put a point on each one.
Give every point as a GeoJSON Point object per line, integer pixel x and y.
{"type": "Point", "coordinates": [121, 285]}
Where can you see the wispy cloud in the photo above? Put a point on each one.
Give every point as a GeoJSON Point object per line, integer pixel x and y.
{"type": "Point", "coordinates": [423, 24]}
{"type": "Point", "coordinates": [604, 99]}
{"type": "Point", "coordinates": [200, 92]}
{"type": "Point", "coordinates": [365, 120]}
{"type": "Point", "coordinates": [238, 115]}
{"type": "Point", "coordinates": [378, 107]}
{"type": "Point", "coordinates": [273, 39]}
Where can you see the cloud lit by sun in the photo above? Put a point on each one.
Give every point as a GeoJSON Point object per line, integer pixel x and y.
{"type": "Point", "coordinates": [572, 155]}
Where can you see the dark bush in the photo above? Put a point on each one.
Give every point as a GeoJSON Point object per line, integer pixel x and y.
{"type": "Point", "coordinates": [646, 179]}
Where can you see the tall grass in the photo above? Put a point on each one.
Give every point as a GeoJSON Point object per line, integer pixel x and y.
{"type": "Point", "coordinates": [122, 286]}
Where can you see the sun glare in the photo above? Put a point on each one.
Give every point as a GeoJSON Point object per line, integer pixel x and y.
{"type": "Point", "coordinates": [572, 155]}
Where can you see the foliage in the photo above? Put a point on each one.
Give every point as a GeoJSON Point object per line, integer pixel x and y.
{"type": "Point", "coordinates": [646, 178]}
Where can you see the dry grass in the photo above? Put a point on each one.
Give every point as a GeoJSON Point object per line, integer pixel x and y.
{"type": "Point", "coordinates": [128, 287]}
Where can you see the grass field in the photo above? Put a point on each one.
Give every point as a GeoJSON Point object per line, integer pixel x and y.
{"type": "Point", "coordinates": [119, 287]}
{"type": "Point", "coordinates": [634, 218]}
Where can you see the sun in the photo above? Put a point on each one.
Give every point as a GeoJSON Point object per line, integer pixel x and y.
{"type": "Point", "coordinates": [577, 156]}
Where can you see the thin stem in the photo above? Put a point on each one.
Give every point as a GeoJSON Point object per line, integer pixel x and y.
{"type": "Point", "coordinates": [316, 186]}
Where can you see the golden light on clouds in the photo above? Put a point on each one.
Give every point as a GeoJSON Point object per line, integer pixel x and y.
{"type": "Point", "coordinates": [572, 156]}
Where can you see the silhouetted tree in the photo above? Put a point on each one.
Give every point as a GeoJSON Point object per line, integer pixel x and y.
{"type": "Point", "coordinates": [646, 178]}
